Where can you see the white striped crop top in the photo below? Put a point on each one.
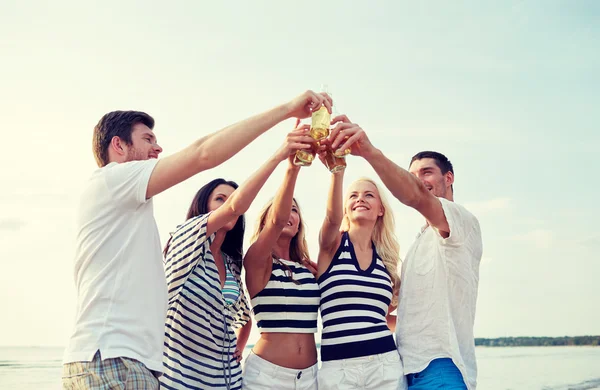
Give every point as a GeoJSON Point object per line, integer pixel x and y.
{"type": "Point", "coordinates": [354, 305]}
{"type": "Point", "coordinates": [289, 303]}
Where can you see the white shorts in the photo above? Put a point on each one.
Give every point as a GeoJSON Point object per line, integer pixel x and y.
{"type": "Point", "coordinates": [381, 372]}
{"type": "Point", "coordinates": [261, 374]}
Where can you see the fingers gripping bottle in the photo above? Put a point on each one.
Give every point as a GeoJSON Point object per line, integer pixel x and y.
{"type": "Point", "coordinates": [319, 130]}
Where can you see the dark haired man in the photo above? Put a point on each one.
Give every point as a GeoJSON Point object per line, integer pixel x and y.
{"type": "Point", "coordinates": [118, 338]}
{"type": "Point", "coordinates": [440, 275]}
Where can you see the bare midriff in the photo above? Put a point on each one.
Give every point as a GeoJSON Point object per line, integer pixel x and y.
{"type": "Point", "coordinates": [290, 350]}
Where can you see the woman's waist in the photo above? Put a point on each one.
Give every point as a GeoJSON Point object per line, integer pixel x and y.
{"type": "Point", "coordinates": [287, 340]}
{"type": "Point", "coordinates": [289, 343]}
{"type": "Point", "coordinates": [291, 350]}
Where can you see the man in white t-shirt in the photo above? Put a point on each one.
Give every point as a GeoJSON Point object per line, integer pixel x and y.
{"type": "Point", "coordinates": [440, 275]}
{"type": "Point", "coordinates": [118, 338]}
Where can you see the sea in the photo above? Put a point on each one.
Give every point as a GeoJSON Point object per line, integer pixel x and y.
{"type": "Point", "coordinates": [500, 368]}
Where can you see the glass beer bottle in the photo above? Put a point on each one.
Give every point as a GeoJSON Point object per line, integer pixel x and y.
{"type": "Point", "coordinates": [334, 162]}
{"type": "Point", "coordinates": [319, 130]}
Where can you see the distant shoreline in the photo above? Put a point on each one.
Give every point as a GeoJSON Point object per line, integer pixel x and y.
{"type": "Point", "coordinates": [521, 341]}
{"type": "Point", "coordinates": [538, 341]}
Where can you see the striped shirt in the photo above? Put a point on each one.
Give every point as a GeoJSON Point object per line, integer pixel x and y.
{"type": "Point", "coordinates": [354, 305]}
{"type": "Point", "coordinates": [285, 306]}
{"type": "Point", "coordinates": [231, 288]}
{"type": "Point", "coordinates": [199, 336]}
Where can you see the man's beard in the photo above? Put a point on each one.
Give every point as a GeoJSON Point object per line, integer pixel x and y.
{"type": "Point", "coordinates": [136, 155]}
{"type": "Point", "coordinates": [440, 189]}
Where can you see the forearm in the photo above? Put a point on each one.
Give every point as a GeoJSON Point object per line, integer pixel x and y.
{"type": "Point", "coordinates": [334, 214]}
{"type": "Point", "coordinates": [218, 147]}
{"type": "Point", "coordinates": [407, 188]}
{"type": "Point", "coordinates": [282, 204]}
{"type": "Point", "coordinates": [335, 208]}
{"type": "Point", "coordinates": [243, 334]}
{"type": "Point", "coordinates": [243, 197]}
{"type": "Point", "coordinates": [258, 260]}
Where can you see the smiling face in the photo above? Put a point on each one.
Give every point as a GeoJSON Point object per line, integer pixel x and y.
{"type": "Point", "coordinates": [363, 202]}
{"type": "Point", "coordinates": [293, 224]}
{"type": "Point", "coordinates": [143, 144]}
{"type": "Point", "coordinates": [432, 177]}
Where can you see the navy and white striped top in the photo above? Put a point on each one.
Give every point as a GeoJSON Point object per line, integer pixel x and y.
{"type": "Point", "coordinates": [199, 335]}
{"type": "Point", "coordinates": [284, 306]}
{"type": "Point", "coordinates": [354, 305]}
{"type": "Point", "coordinates": [231, 288]}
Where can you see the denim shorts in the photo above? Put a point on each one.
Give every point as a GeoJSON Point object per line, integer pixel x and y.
{"type": "Point", "coordinates": [439, 374]}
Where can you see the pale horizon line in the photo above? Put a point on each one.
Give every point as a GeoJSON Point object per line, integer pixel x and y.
{"type": "Point", "coordinates": [250, 345]}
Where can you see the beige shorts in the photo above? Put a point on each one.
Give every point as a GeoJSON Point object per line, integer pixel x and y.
{"type": "Point", "coordinates": [261, 374]}
{"type": "Point", "coordinates": [381, 372]}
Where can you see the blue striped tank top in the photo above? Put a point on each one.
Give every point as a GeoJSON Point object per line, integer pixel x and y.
{"type": "Point", "coordinates": [231, 288]}
{"type": "Point", "coordinates": [289, 303]}
{"type": "Point", "coordinates": [354, 305]}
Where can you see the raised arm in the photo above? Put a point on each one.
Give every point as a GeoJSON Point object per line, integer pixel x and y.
{"type": "Point", "coordinates": [258, 260]}
{"type": "Point", "coordinates": [405, 186]}
{"type": "Point", "coordinates": [218, 147]}
{"type": "Point", "coordinates": [408, 189]}
{"type": "Point", "coordinates": [241, 199]}
{"type": "Point", "coordinates": [329, 236]}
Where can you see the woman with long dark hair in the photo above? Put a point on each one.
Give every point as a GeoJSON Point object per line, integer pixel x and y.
{"type": "Point", "coordinates": [203, 262]}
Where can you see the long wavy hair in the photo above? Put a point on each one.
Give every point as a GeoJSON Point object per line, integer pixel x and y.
{"type": "Point", "coordinates": [383, 236]}
{"type": "Point", "coordinates": [298, 245]}
{"type": "Point", "coordinates": [233, 245]}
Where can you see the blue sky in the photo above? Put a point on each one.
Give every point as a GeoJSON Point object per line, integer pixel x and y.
{"type": "Point", "coordinates": [507, 90]}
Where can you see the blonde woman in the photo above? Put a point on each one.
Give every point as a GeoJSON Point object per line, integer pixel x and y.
{"type": "Point", "coordinates": [357, 275]}
{"type": "Point", "coordinates": [284, 296]}
{"type": "Point", "coordinates": [440, 276]}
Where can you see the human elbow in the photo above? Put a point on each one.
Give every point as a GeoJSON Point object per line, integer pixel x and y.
{"type": "Point", "coordinates": [280, 221]}
{"type": "Point", "coordinates": [413, 199]}
{"type": "Point", "coordinates": [204, 160]}
{"type": "Point", "coordinates": [416, 197]}
{"type": "Point", "coordinates": [237, 207]}
{"type": "Point", "coordinates": [334, 219]}
{"type": "Point", "coordinates": [202, 155]}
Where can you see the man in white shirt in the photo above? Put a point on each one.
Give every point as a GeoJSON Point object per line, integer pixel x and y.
{"type": "Point", "coordinates": [440, 275]}
{"type": "Point", "coordinates": [118, 338]}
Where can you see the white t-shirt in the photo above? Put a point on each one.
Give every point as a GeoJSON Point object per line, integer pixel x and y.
{"type": "Point", "coordinates": [119, 274]}
{"type": "Point", "coordinates": [438, 294]}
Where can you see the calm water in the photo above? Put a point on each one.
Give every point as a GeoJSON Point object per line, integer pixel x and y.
{"type": "Point", "coordinates": [531, 368]}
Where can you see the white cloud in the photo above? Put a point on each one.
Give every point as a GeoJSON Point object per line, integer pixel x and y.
{"type": "Point", "coordinates": [487, 206]}
{"type": "Point", "coordinates": [540, 238]}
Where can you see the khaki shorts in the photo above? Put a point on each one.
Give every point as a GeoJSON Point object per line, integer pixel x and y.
{"type": "Point", "coordinates": [381, 372]}
{"type": "Point", "coordinates": [109, 374]}
{"type": "Point", "coordinates": [260, 374]}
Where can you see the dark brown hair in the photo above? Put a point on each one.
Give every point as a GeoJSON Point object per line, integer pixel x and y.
{"type": "Point", "coordinates": [116, 124]}
{"type": "Point", "coordinates": [233, 245]}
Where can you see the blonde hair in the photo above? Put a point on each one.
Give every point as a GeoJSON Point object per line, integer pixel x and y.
{"type": "Point", "coordinates": [298, 245]}
{"type": "Point", "coordinates": [383, 237]}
